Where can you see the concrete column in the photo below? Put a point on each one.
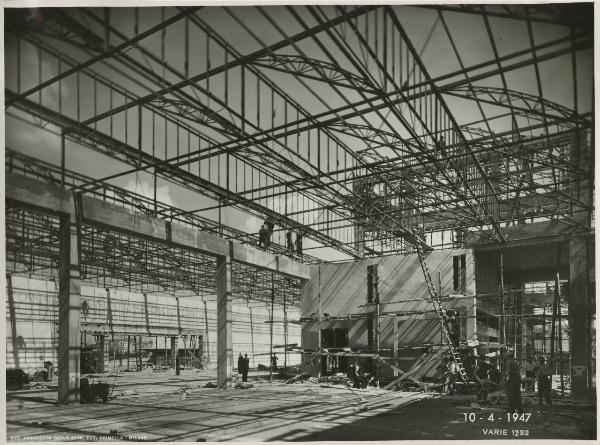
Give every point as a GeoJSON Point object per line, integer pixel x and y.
{"type": "Point", "coordinates": [581, 267]}
{"type": "Point", "coordinates": [69, 308]}
{"type": "Point", "coordinates": [174, 352]}
{"type": "Point", "coordinates": [224, 323]}
{"type": "Point", "coordinates": [395, 330]}
{"type": "Point", "coordinates": [580, 313]}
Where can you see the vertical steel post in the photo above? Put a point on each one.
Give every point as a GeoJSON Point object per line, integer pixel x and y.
{"type": "Point", "coordinates": [271, 328]}
{"type": "Point", "coordinates": [62, 159]}
{"type": "Point", "coordinates": [553, 330]}
{"type": "Point", "coordinates": [285, 332]}
{"type": "Point", "coordinates": [252, 335]}
{"type": "Point", "coordinates": [559, 316]}
{"type": "Point", "coordinates": [128, 349]}
{"type": "Point", "coordinates": [502, 307]}
{"type": "Point", "coordinates": [515, 317]}
{"type": "Point", "coordinates": [320, 340]}
{"type": "Point", "coordinates": [13, 320]}
{"type": "Point", "coordinates": [187, 48]}
{"type": "Point", "coordinates": [206, 330]}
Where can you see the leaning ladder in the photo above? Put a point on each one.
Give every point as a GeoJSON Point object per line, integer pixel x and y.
{"type": "Point", "coordinates": [441, 313]}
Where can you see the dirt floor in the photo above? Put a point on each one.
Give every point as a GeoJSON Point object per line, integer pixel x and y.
{"type": "Point", "coordinates": [159, 406]}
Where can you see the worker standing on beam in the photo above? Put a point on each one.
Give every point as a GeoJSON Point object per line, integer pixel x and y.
{"type": "Point", "coordinates": [270, 226]}
{"type": "Point", "coordinates": [442, 147]}
{"type": "Point", "coordinates": [262, 236]}
{"type": "Point", "coordinates": [299, 244]}
{"type": "Point", "coordinates": [290, 241]}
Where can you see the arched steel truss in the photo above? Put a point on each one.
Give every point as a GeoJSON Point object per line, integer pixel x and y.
{"type": "Point", "coordinates": [359, 176]}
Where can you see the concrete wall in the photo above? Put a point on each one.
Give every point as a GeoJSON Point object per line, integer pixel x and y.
{"type": "Point", "coordinates": [36, 308]}
{"type": "Point", "coordinates": [343, 291]}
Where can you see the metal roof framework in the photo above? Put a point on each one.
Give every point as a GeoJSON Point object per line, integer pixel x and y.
{"type": "Point", "coordinates": [325, 119]}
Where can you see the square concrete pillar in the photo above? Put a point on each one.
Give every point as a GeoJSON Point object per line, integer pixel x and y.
{"type": "Point", "coordinates": [224, 323]}
{"type": "Point", "coordinates": [69, 308]}
{"type": "Point", "coordinates": [580, 315]}
{"type": "Point", "coordinates": [174, 352]}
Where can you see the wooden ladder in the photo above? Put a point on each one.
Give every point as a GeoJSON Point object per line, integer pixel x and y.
{"type": "Point", "coordinates": [441, 313]}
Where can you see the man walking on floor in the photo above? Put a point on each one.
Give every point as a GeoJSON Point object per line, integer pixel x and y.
{"type": "Point", "coordinates": [240, 364]}
{"type": "Point", "coordinates": [245, 367]}
{"type": "Point", "coordinates": [544, 378]}
{"type": "Point", "coordinates": [513, 384]}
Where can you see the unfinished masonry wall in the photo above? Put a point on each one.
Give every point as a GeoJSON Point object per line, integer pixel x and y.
{"type": "Point", "coordinates": [36, 323]}
{"type": "Point", "coordinates": [340, 290]}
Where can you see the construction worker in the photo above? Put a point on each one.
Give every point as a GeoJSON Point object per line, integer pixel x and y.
{"type": "Point", "coordinates": [494, 374]}
{"type": "Point", "coordinates": [240, 363]}
{"type": "Point", "coordinates": [270, 226]}
{"type": "Point", "coordinates": [262, 236]}
{"type": "Point", "coordinates": [513, 384]}
{"type": "Point", "coordinates": [442, 146]}
{"type": "Point", "coordinates": [544, 379]}
{"type": "Point", "coordinates": [443, 370]}
{"type": "Point", "coordinates": [299, 243]}
{"type": "Point", "coordinates": [452, 376]}
{"type": "Point", "coordinates": [49, 370]}
{"type": "Point", "coordinates": [530, 375]}
{"type": "Point", "coordinates": [481, 377]}
{"type": "Point", "coordinates": [290, 241]}
{"type": "Point", "coordinates": [454, 328]}
{"type": "Point", "coordinates": [245, 367]}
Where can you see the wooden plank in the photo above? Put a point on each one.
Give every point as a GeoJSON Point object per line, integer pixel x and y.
{"type": "Point", "coordinates": [403, 375]}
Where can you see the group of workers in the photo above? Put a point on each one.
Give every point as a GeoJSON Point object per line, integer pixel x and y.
{"type": "Point", "coordinates": [489, 379]}
{"type": "Point", "coordinates": [543, 376]}
{"type": "Point", "coordinates": [360, 378]}
{"type": "Point", "coordinates": [243, 365]}
{"type": "Point", "coordinates": [266, 232]}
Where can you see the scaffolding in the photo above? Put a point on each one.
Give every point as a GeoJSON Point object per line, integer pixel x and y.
{"type": "Point", "coordinates": [341, 126]}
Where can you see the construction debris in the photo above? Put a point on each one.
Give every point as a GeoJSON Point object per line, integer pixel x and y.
{"type": "Point", "coordinates": [39, 386]}
{"type": "Point", "coordinates": [337, 379]}
{"type": "Point", "coordinates": [299, 378]}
